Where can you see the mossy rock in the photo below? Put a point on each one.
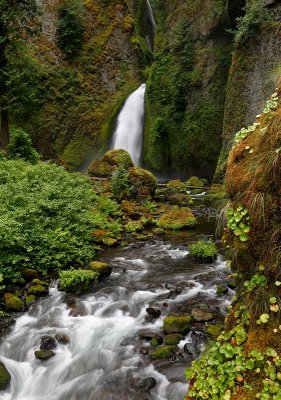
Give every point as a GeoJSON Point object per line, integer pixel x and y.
{"type": "Point", "coordinates": [29, 274]}
{"type": "Point", "coordinates": [44, 355]}
{"type": "Point", "coordinates": [5, 377]}
{"type": "Point", "coordinates": [133, 226]}
{"type": "Point", "coordinates": [165, 352]}
{"type": "Point", "coordinates": [180, 199]}
{"type": "Point", "coordinates": [172, 339]}
{"type": "Point", "coordinates": [13, 302]}
{"type": "Point", "coordinates": [102, 268]}
{"type": "Point", "coordinates": [155, 342]}
{"type": "Point", "coordinates": [214, 330]}
{"type": "Point", "coordinates": [221, 289]}
{"type": "Point", "coordinates": [109, 242]}
{"type": "Point", "coordinates": [200, 315]}
{"type": "Point", "coordinates": [36, 282]}
{"type": "Point", "coordinates": [177, 324]}
{"type": "Point", "coordinates": [30, 299]}
{"type": "Point", "coordinates": [77, 280]}
{"type": "Point", "coordinates": [204, 251]}
{"type": "Point", "coordinates": [100, 169]}
{"type": "Point", "coordinates": [142, 181]}
{"type": "Point", "coordinates": [38, 290]}
{"type": "Point", "coordinates": [118, 158]}
{"type": "Point", "coordinates": [177, 218]}
{"type": "Point", "coordinates": [194, 181]}
{"type": "Point", "coordinates": [176, 186]}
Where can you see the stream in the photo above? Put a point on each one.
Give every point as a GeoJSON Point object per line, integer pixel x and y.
{"type": "Point", "coordinates": [102, 355]}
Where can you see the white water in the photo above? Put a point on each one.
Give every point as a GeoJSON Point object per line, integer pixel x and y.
{"type": "Point", "coordinates": [151, 16]}
{"type": "Point", "coordinates": [129, 130]}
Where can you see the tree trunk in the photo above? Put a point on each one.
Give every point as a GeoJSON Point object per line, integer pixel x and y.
{"type": "Point", "coordinates": [4, 130]}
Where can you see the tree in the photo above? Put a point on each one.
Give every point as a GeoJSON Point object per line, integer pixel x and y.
{"type": "Point", "coordinates": [15, 27]}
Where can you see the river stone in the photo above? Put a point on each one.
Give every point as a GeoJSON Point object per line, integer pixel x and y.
{"type": "Point", "coordinates": [44, 355]}
{"type": "Point", "coordinates": [61, 338]}
{"type": "Point", "coordinates": [200, 315]}
{"type": "Point", "coordinates": [149, 334]}
{"type": "Point", "coordinates": [153, 312]}
{"type": "Point", "coordinates": [172, 339]}
{"type": "Point", "coordinates": [177, 324]}
{"type": "Point", "coordinates": [13, 302]}
{"type": "Point", "coordinates": [163, 352]}
{"type": "Point", "coordinates": [148, 383]}
{"type": "Point", "coordinates": [102, 268]}
{"type": "Point", "coordinates": [29, 274]}
{"type": "Point", "coordinates": [38, 290]}
{"type": "Point", "coordinates": [47, 343]}
{"type": "Point", "coordinates": [5, 377]}
{"type": "Point", "coordinates": [222, 289]}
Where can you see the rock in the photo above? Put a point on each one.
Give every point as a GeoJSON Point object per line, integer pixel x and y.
{"type": "Point", "coordinates": [44, 355]}
{"type": "Point", "coordinates": [214, 330]}
{"type": "Point", "coordinates": [222, 289]}
{"type": "Point", "coordinates": [142, 181]}
{"type": "Point", "coordinates": [13, 302]}
{"type": "Point", "coordinates": [76, 307]}
{"type": "Point", "coordinates": [61, 338]}
{"type": "Point", "coordinates": [103, 269]}
{"type": "Point", "coordinates": [153, 312]}
{"type": "Point", "coordinates": [172, 339]}
{"type": "Point", "coordinates": [109, 241]}
{"type": "Point", "coordinates": [30, 299]}
{"type": "Point", "coordinates": [177, 324]}
{"type": "Point", "coordinates": [176, 186]}
{"type": "Point", "coordinates": [148, 383]}
{"type": "Point", "coordinates": [6, 325]}
{"type": "Point", "coordinates": [231, 282]}
{"type": "Point", "coordinates": [177, 218]}
{"type": "Point", "coordinates": [48, 343]}
{"type": "Point", "coordinates": [36, 282]}
{"type": "Point", "coordinates": [180, 199]}
{"type": "Point", "coordinates": [29, 274]}
{"type": "Point", "coordinates": [101, 169]}
{"type": "Point", "coordinates": [154, 342]}
{"type": "Point", "coordinates": [149, 334]}
{"type": "Point", "coordinates": [118, 157]}
{"type": "Point", "coordinates": [200, 315]}
{"type": "Point", "coordinates": [194, 181]}
{"type": "Point", "coordinates": [5, 377]}
{"type": "Point", "coordinates": [38, 290]}
{"type": "Point", "coordinates": [163, 352]}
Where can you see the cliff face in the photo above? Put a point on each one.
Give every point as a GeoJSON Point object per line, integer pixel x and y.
{"type": "Point", "coordinates": [254, 74]}
{"type": "Point", "coordinates": [79, 96]}
{"type": "Point", "coordinates": [186, 86]}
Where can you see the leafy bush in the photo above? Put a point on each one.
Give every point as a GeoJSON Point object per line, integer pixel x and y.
{"type": "Point", "coordinates": [77, 280]}
{"type": "Point", "coordinates": [21, 146]}
{"type": "Point", "coordinates": [70, 26]}
{"type": "Point", "coordinates": [120, 185]}
{"type": "Point", "coordinates": [204, 251]}
{"type": "Point", "coordinates": [46, 218]}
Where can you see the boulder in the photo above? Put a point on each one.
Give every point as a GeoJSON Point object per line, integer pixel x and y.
{"type": "Point", "coordinates": [222, 289]}
{"type": "Point", "coordinates": [177, 324]}
{"type": "Point", "coordinates": [148, 383]}
{"type": "Point", "coordinates": [61, 338]}
{"type": "Point", "coordinates": [101, 169]}
{"type": "Point", "coordinates": [38, 290]}
{"type": "Point", "coordinates": [150, 334]}
{"type": "Point", "coordinates": [153, 312]}
{"type": "Point", "coordinates": [102, 268]}
{"type": "Point", "coordinates": [172, 339]}
{"type": "Point", "coordinates": [30, 299]}
{"type": "Point", "coordinates": [142, 181]}
{"type": "Point", "coordinates": [36, 282]}
{"type": "Point", "coordinates": [214, 330]}
{"type": "Point", "coordinates": [180, 199]}
{"type": "Point", "coordinates": [118, 157]}
{"type": "Point", "coordinates": [163, 352]}
{"type": "Point", "coordinates": [5, 377]}
{"type": "Point", "coordinates": [44, 355]}
{"type": "Point", "coordinates": [29, 274]}
{"type": "Point", "coordinates": [177, 218]}
{"type": "Point", "coordinates": [200, 315]}
{"type": "Point", "coordinates": [194, 181]}
{"type": "Point", "coordinates": [176, 186]}
{"type": "Point", "coordinates": [13, 302]}
{"type": "Point", "coordinates": [48, 343]}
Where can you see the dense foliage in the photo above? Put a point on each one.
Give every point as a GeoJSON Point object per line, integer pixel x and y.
{"type": "Point", "coordinates": [203, 250]}
{"type": "Point", "coordinates": [20, 146]}
{"type": "Point", "coordinates": [45, 217]}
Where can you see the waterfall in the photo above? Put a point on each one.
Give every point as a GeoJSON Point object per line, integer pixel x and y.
{"type": "Point", "coordinates": [128, 133]}
{"type": "Point", "coordinates": [151, 16]}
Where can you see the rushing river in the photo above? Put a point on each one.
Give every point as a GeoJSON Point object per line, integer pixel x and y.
{"type": "Point", "coordinates": [104, 357]}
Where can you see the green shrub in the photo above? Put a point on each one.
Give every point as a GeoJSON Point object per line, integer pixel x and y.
{"type": "Point", "coordinates": [70, 26]}
{"type": "Point", "coordinates": [119, 183]}
{"type": "Point", "coordinates": [203, 251]}
{"type": "Point", "coordinates": [77, 280]}
{"type": "Point", "coordinates": [46, 218]}
{"type": "Point", "coordinates": [20, 146]}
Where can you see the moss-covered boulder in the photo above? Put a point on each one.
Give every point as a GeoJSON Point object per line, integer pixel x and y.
{"type": "Point", "coordinates": [35, 282]}
{"type": "Point", "coordinates": [77, 280]}
{"type": "Point", "coordinates": [38, 290]}
{"type": "Point", "coordinates": [172, 339]}
{"type": "Point", "coordinates": [176, 186]}
{"type": "Point", "coordinates": [118, 157]}
{"type": "Point", "coordinates": [109, 242]}
{"type": "Point", "coordinates": [29, 274]}
{"type": "Point", "coordinates": [177, 218]}
{"type": "Point", "coordinates": [142, 181]}
{"type": "Point", "coordinates": [44, 355]}
{"type": "Point", "coordinates": [163, 352]}
{"type": "Point", "coordinates": [100, 169]}
{"type": "Point", "coordinates": [180, 199]}
{"type": "Point", "coordinates": [5, 377]}
{"type": "Point", "coordinates": [102, 268]}
{"type": "Point", "coordinates": [30, 299]}
{"type": "Point", "coordinates": [13, 302]}
{"type": "Point", "coordinates": [194, 181]}
{"type": "Point", "coordinates": [177, 324]}
{"type": "Point", "coordinates": [214, 330]}
{"type": "Point", "coordinates": [200, 315]}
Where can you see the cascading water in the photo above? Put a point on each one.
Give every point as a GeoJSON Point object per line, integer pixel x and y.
{"type": "Point", "coordinates": [151, 16]}
{"type": "Point", "coordinates": [150, 37]}
{"type": "Point", "coordinates": [129, 130]}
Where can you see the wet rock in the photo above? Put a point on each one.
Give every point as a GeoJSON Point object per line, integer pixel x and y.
{"type": "Point", "coordinates": [43, 355]}
{"type": "Point", "coordinates": [177, 324]}
{"type": "Point", "coordinates": [200, 315]}
{"type": "Point", "coordinates": [6, 325]}
{"type": "Point", "coordinates": [48, 343]}
{"type": "Point", "coordinates": [75, 306]}
{"type": "Point", "coordinates": [36, 282]}
{"type": "Point", "coordinates": [180, 199]}
{"type": "Point", "coordinates": [109, 242]}
{"type": "Point", "coordinates": [222, 289]}
{"type": "Point", "coordinates": [5, 377]}
{"type": "Point", "coordinates": [29, 274]}
{"type": "Point", "coordinates": [148, 383]}
{"type": "Point", "coordinates": [163, 352]}
{"type": "Point", "coordinates": [61, 338]}
{"type": "Point", "coordinates": [150, 334]}
{"type": "Point", "coordinates": [30, 299]}
{"type": "Point", "coordinates": [13, 302]}
{"type": "Point", "coordinates": [153, 312]}
{"type": "Point", "coordinates": [38, 290]}
{"type": "Point", "coordinates": [172, 339]}
{"type": "Point", "coordinates": [214, 330]}
{"type": "Point", "coordinates": [129, 341]}
{"type": "Point", "coordinates": [144, 350]}
{"type": "Point", "coordinates": [102, 268]}
{"type": "Point", "coordinates": [231, 282]}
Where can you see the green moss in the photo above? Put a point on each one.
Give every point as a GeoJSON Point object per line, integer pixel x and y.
{"type": "Point", "coordinates": [100, 169]}
{"type": "Point", "coordinates": [163, 352]}
{"type": "Point", "coordinates": [177, 324]}
{"type": "Point", "coordinates": [13, 302]}
{"type": "Point", "coordinates": [38, 290]}
{"type": "Point", "coordinates": [203, 251]}
{"type": "Point", "coordinates": [30, 299]}
{"type": "Point", "coordinates": [5, 377]}
{"type": "Point", "coordinates": [177, 218]}
{"type": "Point", "coordinates": [154, 342]}
{"type": "Point", "coordinates": [214, 330]}
{"type": "Point", "coordinates": [194, 181]}
{"type": "Point", "coordinates": [44, 355]}
{"type": "Point", "coordinates": [118, 157]}
{"type": "Point", "coordinates": [172, 339]}
{"type": "Point", "coordinates": [133, 226]}
{"type": "Point", "coordinates": [142, 179]}
{"type": "Point", "coordinates": [77, 280]}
